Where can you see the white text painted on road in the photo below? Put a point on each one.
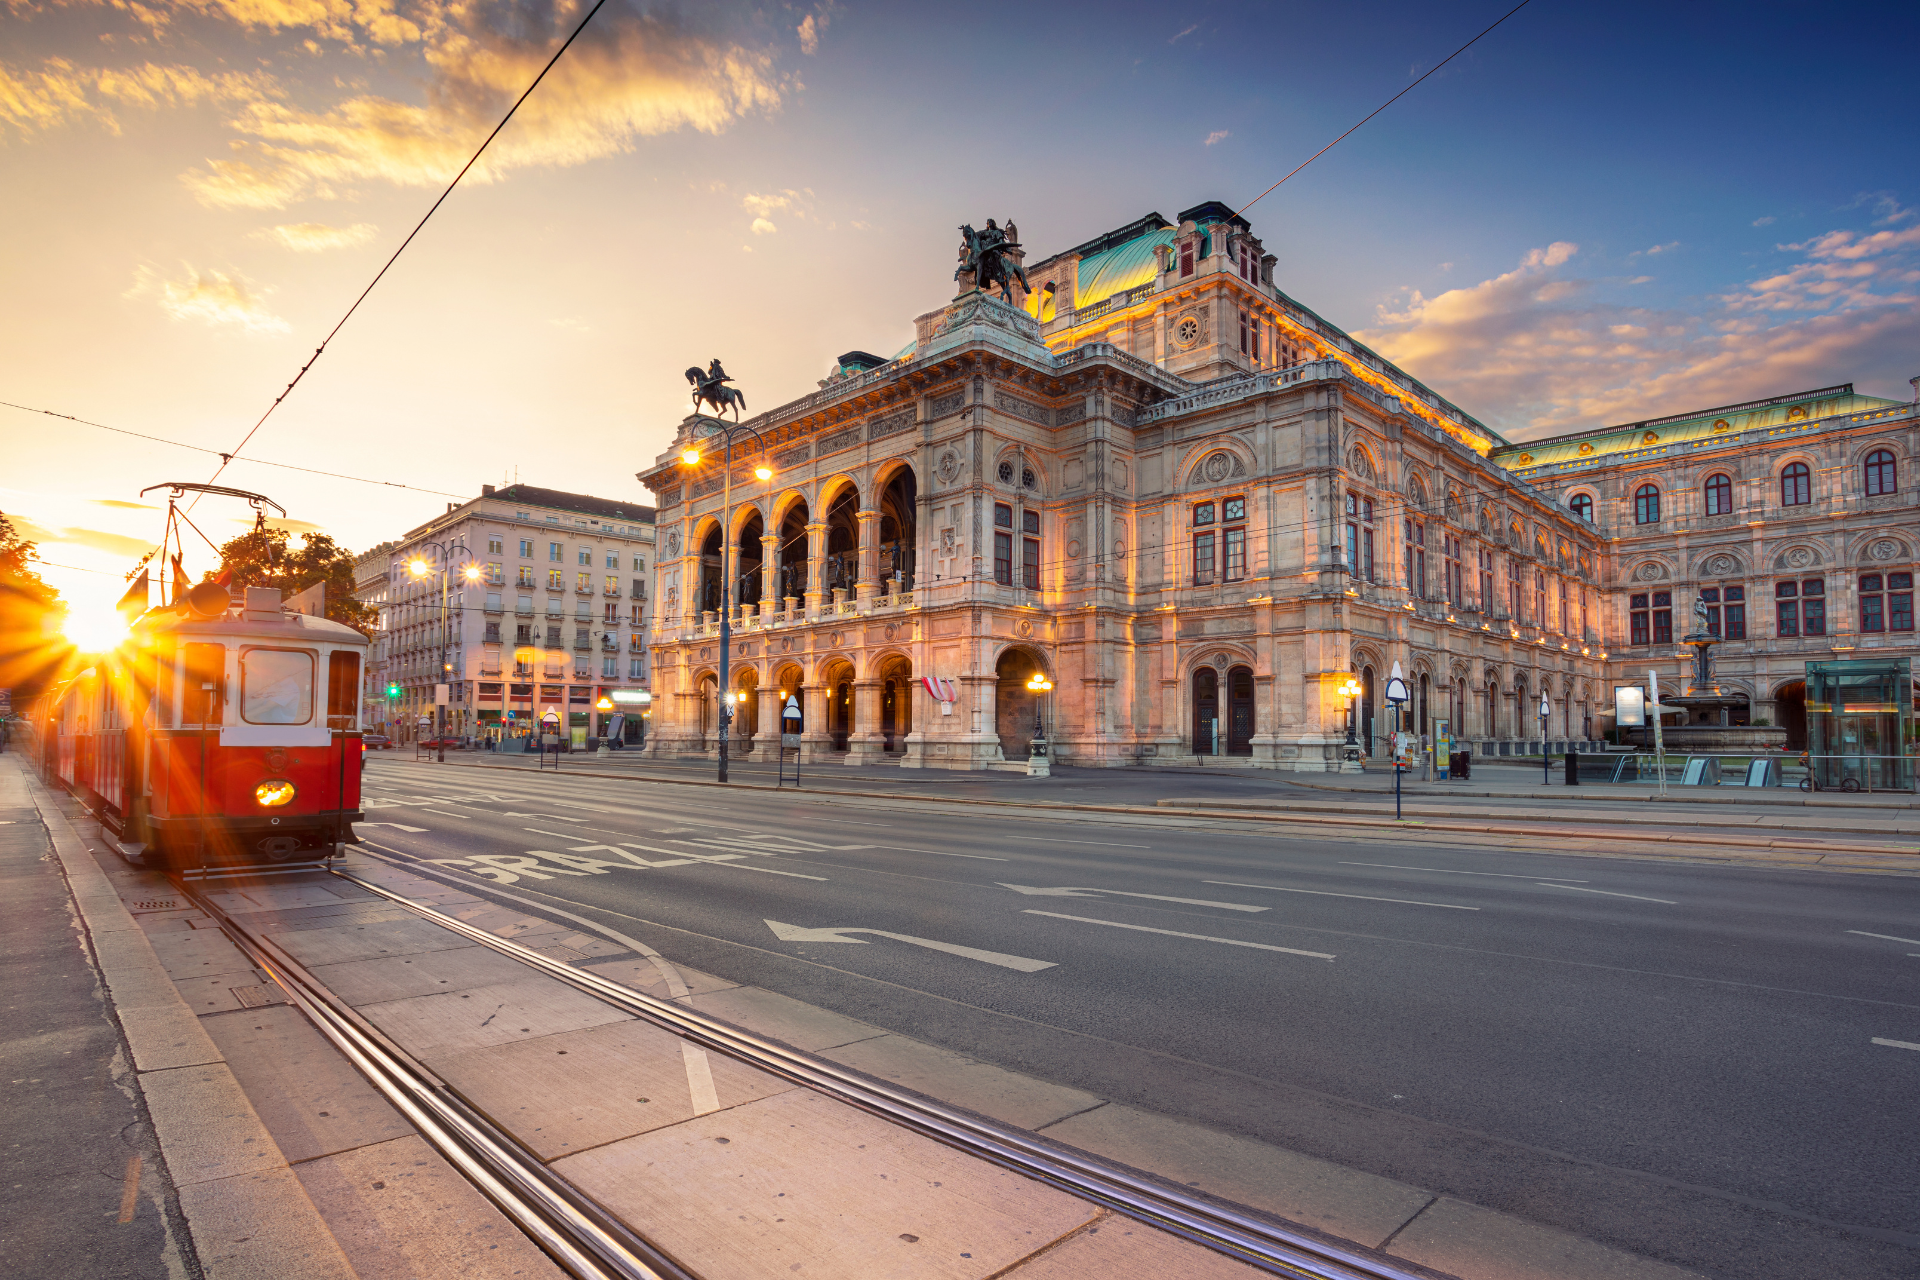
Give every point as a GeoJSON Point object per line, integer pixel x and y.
{"type": "Point", "coordinates": [798, 933]}
{"type": "Point", "coordinates": [1889, 937]}
{"type": "Point", "coordinates": [1323, 893]}
{"type": "Point", "coordinates": [1083, 892]}
{"type": "Point", "coordinates": [1175, 933]}
{"type": "Point", "coordinates": [1574, 888]}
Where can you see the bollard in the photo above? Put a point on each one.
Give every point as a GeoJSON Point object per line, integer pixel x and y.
{"type": "Point", "coordinates": [1573, 767]}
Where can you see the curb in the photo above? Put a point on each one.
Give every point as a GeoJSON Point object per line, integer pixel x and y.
{"type": "Point", "coordinates": [1228, 809]}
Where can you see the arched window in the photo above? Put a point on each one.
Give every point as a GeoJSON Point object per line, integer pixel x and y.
{"type": "Point", "coordinates": [1582, 506]}
{"type": "Point", "coordinates": [1882, 475]}
{"type": "Point", "coordinates": [1646, 504]}
{"type": "Point", "coordinates": [1796, 485]}
{"type": "Point", "coordinates": [1719, 490]}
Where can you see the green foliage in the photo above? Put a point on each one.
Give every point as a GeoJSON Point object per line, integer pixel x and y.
{"type": "Point", "coordinates": [30, 611]}
{"type": "Point", "coordinates": [1761, 722]}
{"type": "Point", "coordinates": [267, 558]}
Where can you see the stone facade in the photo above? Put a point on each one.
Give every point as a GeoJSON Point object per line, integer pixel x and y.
{"type": "Point", "coordinates": [1196, 508]}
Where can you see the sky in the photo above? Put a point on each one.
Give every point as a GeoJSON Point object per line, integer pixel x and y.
{"type": "Point", "coordinates": [1596, 214]}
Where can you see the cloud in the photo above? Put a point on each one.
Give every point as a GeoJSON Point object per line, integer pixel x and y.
{"type": "Point", "coordinates": [762, 227]}
{"type": "Point", "coordinates": [217, 297]}
{"type": "Point", "coordinates": [317, 237]}
{"type": "Point", "coordinates": [124, 506]}
{"type": "Point", "coordinates": [290, 526]}
{"type": "Point", "coordinates": [797, 203]}
{"type": "Point", "coordinates": [100, 540]}
{"type": "Point", "coordinates": [59, 93]}
{"type": "Point", "coordinates": [1668, 247]}
{"type": "Point", "coordinates": [1889, 210]}
{"type": "Point", "coordinates": [28, 531]}
{"type": "Point", "coordinates": [1767, 221]}
{"type": "Point", "coordinates": [810, 34]}
{"type": "Point", "coordinates": [1218, 135]}
{"type": "Point", "coordinates": [1182, 35]}
{"type": "Point", "coordinates": [1535, 351]}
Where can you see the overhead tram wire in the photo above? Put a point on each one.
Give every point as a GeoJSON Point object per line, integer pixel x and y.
{"type": "Point", "coordinates": [1383, 106]}
{"type": "Point", "coordinates": [226, 458]}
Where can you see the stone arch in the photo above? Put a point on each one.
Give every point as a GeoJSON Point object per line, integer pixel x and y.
{"type": "Point", "coordinates": [1211, 466]}
{"type": "Point", "coordinates": [1416, 492]}
{"type": "Point", "coordinates": [835, 678]}
{"type": "Point", "coordinates": [893, 669]}
{"type": "Point", "coordinates": [1717, 562]}
{"type": "Point", "coordinates": [1015, 708]}
{"type": "Point", "coordinates": [1874, 549]}
{"type": "Point", "coordinates": [1799, 556]}
{"type": "Point", "coordinates": [1361, 462]}
{"type": "Point", "coordinates": [790, 679]}
{"type": "Point", "coordinates": [1651, 570]}
{"type": "Point", "coordinates": [1020, 467]}
{"type": "Point", "coordinates": [897, 497]}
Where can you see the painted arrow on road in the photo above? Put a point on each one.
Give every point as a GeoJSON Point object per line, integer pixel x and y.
{"type": "Point", "coordinates": [796, 933]}
{"type": "Point", "coordinates": [1032, 891]}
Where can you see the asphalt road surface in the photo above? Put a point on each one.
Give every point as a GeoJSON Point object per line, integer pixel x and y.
{"type": "Point", "coordinates": [1715, 1066]}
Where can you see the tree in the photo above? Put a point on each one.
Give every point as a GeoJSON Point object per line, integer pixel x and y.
{"type": "Point", "coordinates": [29, 610]}
{"type": "Point", "coordinates": [267, 558]}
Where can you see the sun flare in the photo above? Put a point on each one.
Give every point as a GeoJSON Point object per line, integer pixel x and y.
{"type": "Point", "coordinates": [94, 632]}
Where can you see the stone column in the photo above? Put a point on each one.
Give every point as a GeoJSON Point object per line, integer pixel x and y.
{"type": "Point", "coordinates": [865, 744]}
{"type": "Point", "coordinates": [816, 565]}
{"type": "Point", "coordinates": [867, 583]}
{"type": "Point", "coordinates": [769, 573]}
{"type": "Point", "coordinates": [816, 744]}
{"type": "Point", "coordinates": [767, 740]}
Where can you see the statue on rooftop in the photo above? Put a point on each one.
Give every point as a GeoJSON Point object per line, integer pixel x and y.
{"type": "Point", "coordinates": [992, 257]}
{"type": "Point", "coordinates": [712, 387]}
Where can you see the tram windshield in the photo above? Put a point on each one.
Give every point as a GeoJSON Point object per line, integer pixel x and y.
{"type": "Point", "coordinates": [276, 686]}
{"type": "Point", "coordinates": [343, 689]}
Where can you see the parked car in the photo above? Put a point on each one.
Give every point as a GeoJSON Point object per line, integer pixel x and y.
{"type": "Point", "coordinates": [434, 744]}
{"type": "Point", "coordinates": [376, 742]}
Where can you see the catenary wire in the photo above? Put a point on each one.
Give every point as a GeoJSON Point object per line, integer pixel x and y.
{"type": "Point", "coordinates": [1383, 106]}
{"type": "Point", "coordinates": [258, 462]}
{"type": "Point", "coordinates": [434, 208]}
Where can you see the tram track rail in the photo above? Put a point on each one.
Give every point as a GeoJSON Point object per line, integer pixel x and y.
{"type": "Point", "coordinates": [583, 1239]}
{"type": "Point", "coordinates": [1265, 1245]}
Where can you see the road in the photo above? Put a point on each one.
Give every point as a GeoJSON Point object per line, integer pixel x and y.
{"type": "Point", "coordinates": [1684, 1060]}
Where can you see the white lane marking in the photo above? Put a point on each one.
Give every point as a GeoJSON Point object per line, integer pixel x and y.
{"type": "Point", "coordinates": [1175, 933]}
{"type": "Point", "coordinates": [1577, 889]}
{"type": "Point", "coordinates": [397, 826]}
{"type": "Point", "coordinates": [1504, 875]}
{"type": "Point", "coordinates": [557, 817]}
{"type": "Point", "coordinates": [1322, 893]}
{"type": "Point", "coordinates": [1114, 844]}
{"type": "Point", "coordinates": [441, 814]}
{"type": "Point", "coordinates": [799, 933]}
{"type": "Point", "coordinates": [699, 1078]}
{"type": "Point", "coordinates": [1084, 892]}
{"type": "Point", "coordinates": [564, 835]}
{"type": "Point", "coordinates": [1897, 1044]}
{"type": "Point", "coordinates": [1889, 937]}
{"type": "Point", "coordinates": [944, 853]}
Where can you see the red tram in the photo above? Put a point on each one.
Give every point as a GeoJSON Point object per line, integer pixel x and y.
{"type": "Point", "coordinates": [221, 730]}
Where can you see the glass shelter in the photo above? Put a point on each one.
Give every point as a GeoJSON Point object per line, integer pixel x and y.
{"type": "Point", "coordinates": [1862, 733]}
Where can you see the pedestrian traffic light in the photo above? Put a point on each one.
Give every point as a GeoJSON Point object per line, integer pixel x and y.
{"type": "Point", "coordinates": [393, 690]}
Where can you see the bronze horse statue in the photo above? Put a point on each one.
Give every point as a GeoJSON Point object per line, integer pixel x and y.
{"type": "Point", "coordinates": [711, 386]}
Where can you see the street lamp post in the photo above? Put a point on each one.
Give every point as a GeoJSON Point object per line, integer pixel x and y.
{"type": "Point", "coordinates": [420, 567]}
{"type": "Point", "coordinates": [690, 459]}
{"type": "Point", "coordinates": [1546, 709]}
{"type": "Point", "coordinates": [1397, 696]}
{"type": "Point", "coordinates": [1351, 692]}
{"type": "Point", "coordinates": [1038, 685]}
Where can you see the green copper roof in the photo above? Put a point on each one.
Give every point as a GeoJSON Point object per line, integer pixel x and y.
{"type": "Point", "coordinates": [1116, 270]}
{"type": "Point", "coordinates": [1705, 424]}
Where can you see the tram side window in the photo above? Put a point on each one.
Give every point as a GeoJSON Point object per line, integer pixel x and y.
{"type": "Point", "coordinates": [276, 686]}
{"type": "Point", "coordinates": [203, 684]}
{"type": "Point", "coordinates": [343, 689]}
{"type": "Point", "coordinates": [163, 694]}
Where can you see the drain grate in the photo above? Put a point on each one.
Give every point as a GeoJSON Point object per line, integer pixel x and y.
{"type": "Point", "coordinates": [159, 904]}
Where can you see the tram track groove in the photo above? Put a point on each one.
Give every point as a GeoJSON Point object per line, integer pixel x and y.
{"type": "Point", "coordinates": [582, 1238]}
{"type": "Point", "coordinates": [1267, 1246]}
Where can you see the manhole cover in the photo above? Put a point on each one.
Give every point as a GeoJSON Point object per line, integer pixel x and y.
{"type": "Point", "coordinates": [161, 904]}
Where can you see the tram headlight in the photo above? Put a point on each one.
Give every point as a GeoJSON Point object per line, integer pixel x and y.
{"type": "Point", "coordinates": [273, 793]}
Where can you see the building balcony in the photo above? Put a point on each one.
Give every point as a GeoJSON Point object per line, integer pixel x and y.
{"type": "Point", "coordinates": [489, 672]}
{"type": "Point", "coordinates": [555, 611]}
{"type": "Point", "coordinates": [611, 592]}
{"type": "Point", "coordinates": [583, 591]}
{"type": "Point", "coordinates": [581, 642]}
{"type": "Point", "coordinates": [636, 646]}
{"type": "Point", "coordinates": [523, 611]}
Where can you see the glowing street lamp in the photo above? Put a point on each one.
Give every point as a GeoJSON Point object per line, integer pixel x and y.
{"type": "Point", "coordinates": [1351, 692]}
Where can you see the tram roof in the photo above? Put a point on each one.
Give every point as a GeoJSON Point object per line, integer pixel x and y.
{"type": "Point", "coordinates": [250, 624]}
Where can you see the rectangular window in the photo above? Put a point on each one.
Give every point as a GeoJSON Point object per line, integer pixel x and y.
{"type": "Point", "coordinates": [1203, 559]}
{"type": "Point", "coordinates": [1353, 548]}
{"type": "Point", "coordinates": [639, 591]}
{"type": "Point", "coordinates": [1637, 619]}
{"type": "Point", "coordinates": [613, 585]}
{"type": "Point", "coordinates": [1663, 617]}
{"type": "Point", "coordinates": [276, 686]}
{"type": "Point", "coordinates": [1186, 259]}
{"type": "Point", "coordinates": [1202, 513]}
{"type": "Point", "coordinates": [526, 548]}
{"type": "Point", "coordinates": [493, 546]}
{"type": "Point", "coordinates": [1539, 599]}
{"type": "Point", "coordinates": [1565, 618]}
{"type": "Point", "coordinates": [1366, 553]}
{"type": "Point", "coordinates": [343, 689]}
{"type": "Point", "coordinates": [554, 581]}
{"type": "Point", "coordinates": [1710, 596]}
{"type": "Point", "coordinates": [1234, 559]}
{"type": "Point", "coordinates": [635, 670]}
{"type": "Point", "coordinates": [1003, 559]}
{"type": "Point", "coordinates": [611, 613]}
{"type": "Point", "coordinates": [203, 682]}
{"type": "Point", "coordinates": [1734, 624]}
{"type": "Point", "coordinates": [1030, 564]}
{"type": "Point", "coordinates": [553, 551]}
{"type": "Point", "coordinates": [1813, 606]}
{"type": "Point", "coordinates": [586, 556]}
{"type": "Point", "coordinates": [613, 559]}
{"type": "Point", "coordinates": [1786, 608]}
{"type": "Point", "coordinates": [1030, 522]}
{"type": "Point", "coordinates": [608, 669]}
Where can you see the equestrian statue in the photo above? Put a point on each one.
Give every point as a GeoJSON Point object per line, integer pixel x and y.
{"type": "Point", "coordinates": [987, 256]}
{"type": "Point", "coordinates": [712, 388]}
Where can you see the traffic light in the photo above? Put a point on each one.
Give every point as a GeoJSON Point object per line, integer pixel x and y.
{"type": "Point", "coordinates": [393, 690]}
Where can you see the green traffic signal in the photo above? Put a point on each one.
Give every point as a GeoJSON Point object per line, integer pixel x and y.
{"type": "Point", "coordinates": [393, 691]}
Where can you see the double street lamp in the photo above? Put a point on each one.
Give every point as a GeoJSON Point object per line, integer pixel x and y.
{"type": "Point", "coordinates": [690, 459]}
{"type": "Point", "coordinates": [421, 567]}
{"type": "Point", "coordinates": [1351, 692]}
